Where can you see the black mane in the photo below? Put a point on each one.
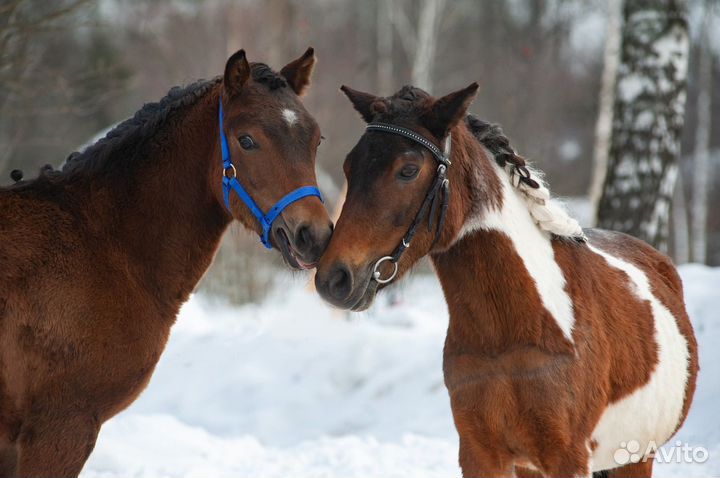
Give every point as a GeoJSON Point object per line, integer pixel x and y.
{"type": "Point", "coordinates": [124, 139]}
{"type": "Point", "coordinates": [492, 137]}
{"type": "Point", "coordinates": [407, 99]}
{"type": "Point", "coordinates": [411, 94]}
{"type": "Point", "coordinates": [129, 135]}
{"type": "Point", "coordinates": [263, 74]}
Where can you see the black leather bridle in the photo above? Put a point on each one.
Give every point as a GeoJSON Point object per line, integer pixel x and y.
{"type": "Point", "coordinates": [436, 199]}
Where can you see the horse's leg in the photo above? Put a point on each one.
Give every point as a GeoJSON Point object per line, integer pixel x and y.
{"type": "Point", "coordinates": [571, 461]}
{"type": "Point", "coordinates": [56, 445]}
{"type": "Point", "coordinates": [8, 453]}
{"type": "Point", "coordinates": [476, 461]}
{"type": "Point", "coordinates": [8, 459]}
{"type": "Point", "coordinates": [642, 469]}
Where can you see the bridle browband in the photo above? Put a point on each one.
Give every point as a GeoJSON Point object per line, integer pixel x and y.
{"type": "Point", "coordinates": [266, 220]}
{"type": "Point", "coordinates": [436, 199]}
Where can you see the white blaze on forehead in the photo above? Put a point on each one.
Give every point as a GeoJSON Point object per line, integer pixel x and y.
{"type": "Point", "coordinates": [290, 116]}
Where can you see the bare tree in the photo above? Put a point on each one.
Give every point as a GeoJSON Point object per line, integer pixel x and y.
{"type": "Point", "coordinates": [58, 75]}
{"type": "Point", "coordinates": [21, 22]}
{"type": "Point", "coordinates": [603, 127]}
{"type": "Point", "coordinates": [702, 139]}
{"type": "Point", "coordinates": [420, 42]}
{"type": "Point", "coordinates": [681, 238]}
{"type": "Point", "coordinates": [647, 120]}
{"type": "Point", "coordinates": [385, 82]}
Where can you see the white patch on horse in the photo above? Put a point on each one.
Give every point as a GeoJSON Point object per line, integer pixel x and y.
{"type": "Point", "coordinates": [534, 248]}
{"type": "Point", "coordinates": [290, 116]}
{"type": "Point", "coordinates": [590, 460]}
{"type": "Point", "coordinates": [652, 412]}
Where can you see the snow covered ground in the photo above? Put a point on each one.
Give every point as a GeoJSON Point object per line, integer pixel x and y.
{"type": "Point", "coordinates": [292, 387]}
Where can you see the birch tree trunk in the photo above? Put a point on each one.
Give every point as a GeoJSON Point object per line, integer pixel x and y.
{"type": "Point", "coordinates": [647, 120]}
{"type": "Point", "coordinates": [603, 127]}
{"type": "Point", "coordinates": [702, 141]}
{"type": "Point", "coordinates": [681, 236]}
{"type": "Point", "coordinates": [384, 47]}
{"type": "Point", "coordinates": [428, 23]}
{"type": "Point", "coordinates": [281, 15]}
{"type": "Point", "coordinates": [420, 43]}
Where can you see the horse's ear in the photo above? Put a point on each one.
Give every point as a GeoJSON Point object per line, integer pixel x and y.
{"type": "Point", "coordinates": [298, 72]}
{"type": "Point", "coordinates": [237, 72]}
{"type": "Point", "coordinates": [366, 104]}
{"type": "Point", "coordinates": [448, 110]}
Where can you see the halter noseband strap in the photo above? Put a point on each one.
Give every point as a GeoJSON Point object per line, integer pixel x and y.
{"type": "Point", "coordinates": [230, 181]}
{"type": "Point", "coordinates": [437, 196]}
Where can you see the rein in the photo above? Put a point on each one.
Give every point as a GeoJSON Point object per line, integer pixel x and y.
{"type": "Point", "coordinates": [436, 199]}
{"type": "Point", "coordinates": [230, 181]}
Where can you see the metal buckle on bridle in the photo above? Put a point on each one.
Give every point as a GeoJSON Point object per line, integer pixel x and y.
{"type": "Point", "coordinates": [376, 271]}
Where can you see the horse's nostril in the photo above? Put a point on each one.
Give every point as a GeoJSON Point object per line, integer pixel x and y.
{"type": "Point", "coordinates": [303, 239]}
{"type": "Point", "coordinates": [311, 240]}
{"type": "Point", "coordinates": [340, 282]}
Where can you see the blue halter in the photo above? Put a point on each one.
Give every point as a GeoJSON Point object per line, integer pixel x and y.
{"type": "Point", "coordinates": [266, 220]}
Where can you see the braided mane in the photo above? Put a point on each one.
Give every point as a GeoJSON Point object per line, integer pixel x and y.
{"type": "Point", "coordinates": [547, 213]}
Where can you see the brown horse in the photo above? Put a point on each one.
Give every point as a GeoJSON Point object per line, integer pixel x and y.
{"type": "Point", "coordinates": [96, 259]}
{"type": "Point", "coordinates": [565, 348]}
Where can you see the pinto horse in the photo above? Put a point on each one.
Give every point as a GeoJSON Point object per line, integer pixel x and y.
{"type": "Point", "coordinates": [563, 345]}
{"type": "Point", "coordinates": [96, 259]}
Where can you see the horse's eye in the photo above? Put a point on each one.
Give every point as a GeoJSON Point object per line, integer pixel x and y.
{"type": "Point", "coordinates": [246, 142]}
{"type": "Point", "coordinates": [409, 171]}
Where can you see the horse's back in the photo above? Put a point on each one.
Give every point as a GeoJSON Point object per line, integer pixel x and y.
{"type": "Point", "coordinates": [631, 249]}
{"type": "Point", "coordinates": [36, 228]}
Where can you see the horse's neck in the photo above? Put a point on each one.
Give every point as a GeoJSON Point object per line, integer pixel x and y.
{"type": "Point", "coordinates": [502, 283]}
{"type": "Point", "coordinates": [167, 223]}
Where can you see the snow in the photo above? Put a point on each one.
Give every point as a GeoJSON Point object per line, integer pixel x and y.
{"type": "Point", "coordinates": [292, 387]}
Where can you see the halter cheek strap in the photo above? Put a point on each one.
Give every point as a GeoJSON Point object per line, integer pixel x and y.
{"type": "Point", "coordinates": [230, 182]}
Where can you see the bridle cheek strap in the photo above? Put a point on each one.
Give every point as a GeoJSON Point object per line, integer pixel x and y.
{"type": "Point", "coordinates": [230, 182]}
{"type": "Point", "coordinates": [434, 205]}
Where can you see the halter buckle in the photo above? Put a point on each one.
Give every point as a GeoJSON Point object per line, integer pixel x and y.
{"type": "Point", "coordinates": [376, 271]}
{"type": "Point", "coordinates": [231, 167]}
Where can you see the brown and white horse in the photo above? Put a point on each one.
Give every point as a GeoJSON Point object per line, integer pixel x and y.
{"type": "Point", "coordinates": [563, 345]}
{"type": "Point", "coordinates": [96, 259]}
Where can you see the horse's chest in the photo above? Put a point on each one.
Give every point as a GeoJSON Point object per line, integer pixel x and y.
{"type": "Point", "coordinates": [118, 395]}
{"type": "Point", "coordinates": [128, 369]}
{"type": "Point", "coordinates": [106, 370]}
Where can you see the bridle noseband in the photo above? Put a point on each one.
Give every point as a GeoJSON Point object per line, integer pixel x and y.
{"type": "Point", "coordinates": [436, 199]}
{"type": "Point", "coordinates": [230, 182]}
